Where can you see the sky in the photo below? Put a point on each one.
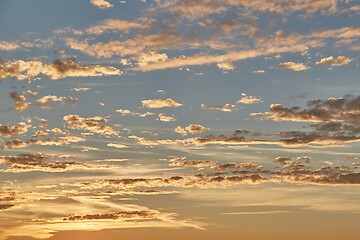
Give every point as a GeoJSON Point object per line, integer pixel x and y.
{"type": "Point", "coordinates": [179, 119]}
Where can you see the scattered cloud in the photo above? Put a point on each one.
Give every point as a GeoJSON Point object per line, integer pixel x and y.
{"type": "Point", "coordinates": [8, 46]}
{"type": "Point", "coordinates": [196, 128]}
{"type": "Point", "coordinates": [339, 61]}
{"type": "Point", "coordinates": [226, 66]}
{"type": "Point", "coordinates": [38, 162]}
{"type": "Point", "coordinates": [249, 100]}
{"type": "Point", "coordinates": [113, 25]}
{"type": "Point", "coordinates": [12, 130]}
{"type": "Point", "coordinates": [228, 107]}
{"type": "Point", "coordinates": [159, 103]}
{"type": "Point", "coordinates": [117, 145]}
{"type": "Point", "coordinates": [164, 118]}
{"type": "Point", "coordinates": [45, 102]}
{"type": "Point", "coordinates": [293, 66]}
{"type": "Point", "coordinates": [91, 124]}
{"type": "Point", "coordinates": [22, 70]}
{"type": "Point", "coordinates": [102, 4]}
{"type": "Point", "coordinates": [80, 89]}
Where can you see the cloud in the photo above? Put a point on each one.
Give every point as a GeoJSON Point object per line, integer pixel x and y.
{"type": "Point", "coordinates": [12, 130]}
{"type": "Point", "coordinates": [8, 46]}
{"type": "Point", "coordinates": [196, 128]}
{"type": "Point", "coordinates": [249, 100]}
{"type": "Point", "coordinates": [287, 139]}
{"type": "Point", "coordinates": [22, 70]}
{"type": "Point", "coordinates": [80, 89]}
{"type": "Point", "coordinates": [151, 57]}
{"type": "Point", "coordinates": [194, 9]}
{"type": "Point", "coordinates": [123, 215]}
{"type": "Point", "coordinates": [159, 103]}
{"type": "Point", "coordinates": [114, 25]}
{"type": "Point", "coordinates": [339, 61]}
{"type": "Point", "coordinates": [340, 33]}
{"type": "Point", "coordinates": [164, 118]}
{"type": "Point", "coordinates": [259, 71]}
{"type": "Point", "coordinates": [132, 46]}
{"type": "Point", "coordinates": [6, 206]}
{"type": "Point", "coordinates": [180, 130]}
{"type": "Point", "coordinates": [91, 124]}
{"type": "Point", "coordinates": [45, 102]}
{"type": "Point", "coordinates": [238, 166]}
{"type": "Point", "coordinates": [224, 108]}
{"type": "Point", "coordinates": [293, 66]}
{"type": "Point", "coordinates": [345, 109]}
{"type": "Point", "coordinates": [198, 9]}
{"type": "Point", "coordinates": [124, 112]}
{"type": "Point", "coordinates": [226, 66]}
{"type": "Point", "coordinates": [18, 143]}
{"type": "Point", "coordinates": [102, 4]}
{"type": "Point", "coordinates": [20, 101]}
{"type": "Point", "coordinates": [181, 162]}
{"type": "Point", "coordinates": [38, 162]}
{"type": "Point", "coordinates": [117, 145]}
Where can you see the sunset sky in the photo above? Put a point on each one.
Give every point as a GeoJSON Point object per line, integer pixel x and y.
{"type": "Point", "coordinates": [179, 119]}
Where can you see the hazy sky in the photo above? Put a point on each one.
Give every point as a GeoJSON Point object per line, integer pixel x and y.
{"type": "Point", "coordinates": [179, 119]}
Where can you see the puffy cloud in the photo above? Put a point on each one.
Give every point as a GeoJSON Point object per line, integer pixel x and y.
{"type": "Point", "coordinates": [159, 103]}
{"type": "Point", "coordinates": [225, 108]}
{"type": "Point", "coordinates": [102, 4]}
{"type": "Point", "coordinates": [249, 100]}
{"type": "Point", "coordinates": [8, 46]}
{"type": "Point", "coordinates": [293, 66]}
{"type": "Point", "coordinates": [69, 68]}
{"type": "Point", "coordinates": [80, 89]}
{"type": "Point", "coordinates": [226, 66]}
{"type": "Point", "coordinates": [124, 112]}
{"type": "Point", "coordinates": [192, 128]}
{"type": "Point", "coordinates": [196, 128]}
{"type": "Point", "coordinates": [164, 118]}
{"type": "Point", "coordinates": [91, 124]}
{"type": "Point", "coordinates": [22, 70]}
{"type": "Point", "coordinates": [57, 131]}
{"type": "Point", "coordinates": [345, 109]}
{"type": "Point", "coordinates": [40, 134]}
{"type": "Point", "coordinates": [151, 57]}
{"type": "Point", "coordinates": [45, 102]}
{"type": "Point", "coordinates": [180, 130]}
{"type": "Point", "coordinates": [339, 61]}
{"type": "Point", "coordinates": [20, 101]}
{"type": "Point", "coordinates": [12, 130]}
